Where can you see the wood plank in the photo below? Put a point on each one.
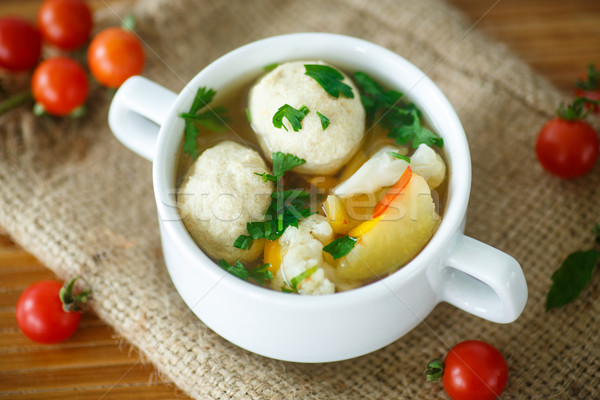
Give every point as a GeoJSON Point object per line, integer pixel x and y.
{"type": "Point", "coordinates": [76, 378]}
{"type": "Point", "coordinates": [65, 357]}
{"type": "Point", "coordinates": [14, 341]}
{"type": "Point", "coordinates": [158, 391]}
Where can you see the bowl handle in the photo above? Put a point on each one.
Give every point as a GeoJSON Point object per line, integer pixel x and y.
{"type": "Point", "coordinates": [484, 281]}
{"type": "Point", "coordinates": [138, 109]}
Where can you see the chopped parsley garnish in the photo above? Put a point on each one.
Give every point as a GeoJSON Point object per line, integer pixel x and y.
{"type": "Point", "coordinates": [270, 67]}
{"type": "Point", "coordinates": [404, 122]}
{"type": "Point", "coordinates": [214, 119]}
{"type": "Point", "coordinates": [248, 115]}
{"type": "Point", "coordinates": [330, 79]}
{"type": "Point", "coordinates": [282, 163]}
{"type": "Point", "coordinates": [258, 274]}
{"type": "Point", "coordinates": [286, 208]}
{"type": "Point", "coordinates": [236, 269]}
{"type": "Point", "coordinates": [324, 120]}
{"type": "Point", "coordinates": [294, 116]}
{"type": "Point", "coordinates": [243, 242]}
{"type": "Point", "coordinates": [298, 279]}
{"type": "Point", "coordinates": [340, 246]}
{"type": "Point", "coordinates": [399, 156]}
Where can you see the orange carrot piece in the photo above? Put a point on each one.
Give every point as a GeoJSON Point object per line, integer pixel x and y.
{"type": "Point", "coordinates": [392, 193]}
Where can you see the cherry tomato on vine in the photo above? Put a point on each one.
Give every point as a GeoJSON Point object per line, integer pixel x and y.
{"type": "Point", "coordinates": [472, 370]}
{"type": "Point", "coordinates": [114, 55]}
{"type": "Point", "coordinates": [567, 146]}
{"type": "Point", "coordinates": [20, 44]}
{"type": "Point", "coordinates": [589, 87]}
{"type": "Point", "coordinates": [41, 315]}
{"type": "Point", "coordinates": [60, 85]}
{"type": "Point", "coordinates": [66, 24]}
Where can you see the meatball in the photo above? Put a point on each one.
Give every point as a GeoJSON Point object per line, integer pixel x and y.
{"type": "Point", "coordinates": [220, 194]}
{"type": "Point", "coordinates": [325, 150]}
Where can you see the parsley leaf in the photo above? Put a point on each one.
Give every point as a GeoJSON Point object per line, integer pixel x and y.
{"type": "Point", "coordinates": [596, 232]}
{"type": "Point", "coordinates": [573, 275]}
{"type": "Point", "coordinates": [294, 116]}
{"type": "Point", "coordinates": [330, 79]}
{"type": "Point", "coordinates": [416, 133]}
{"type": "Point", "coordinates": [243, 242]}
{"type": "Point", "coordinates": [403, 121]}
{"type": "Point", "coordinates": [286, 209]}
{"type": "Point", "coordinates": [261, 273]}
{"type": "Point", "coordinates": [236, 269]}
{"type": "Point", "coordinates": [270, 67]}
{"type": "Point", "coordinates": [340, 246]}
{"type": "Point", "coordinates": [399, 156]}
{"type": "Point", "coordinates": [214, 119]}
{"type": "Point", "coordinates": [373, 96]}
{"type": "Point", "coordinates": [298, 279]}
{"type": "Point", "coordinates": [283, 163]}
{"type": "Point", "coordinates": [287, 206]}
{"type": "Point", "coordinates": [324, 120]}
{"type": "Point", "coordinates": [258, 274]}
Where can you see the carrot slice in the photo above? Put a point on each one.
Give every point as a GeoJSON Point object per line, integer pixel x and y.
{"type": "Point", "coordinates": [392, 193]}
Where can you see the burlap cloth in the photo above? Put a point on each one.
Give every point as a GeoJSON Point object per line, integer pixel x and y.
{"type": "Point", "coordinates": [83, 204]}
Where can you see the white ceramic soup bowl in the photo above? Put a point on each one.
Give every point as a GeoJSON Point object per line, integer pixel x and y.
{"type": "Point", "coordinates": [452, 267]}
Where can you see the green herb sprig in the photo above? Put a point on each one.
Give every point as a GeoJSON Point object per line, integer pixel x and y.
{"type": "Point", "coordinates": [298, 279]}
{"type": "Point", "coordinates": [399, 156]}
{"type": "Point", "coordinates": [258, 274]}
{"type": "Point", "coordinates": [214, 119]}
{"type": "Point", "coordinates": [340, 246]}
{"type": "Point", "coordinates": [404, 122]}
{"type": "Point", "coordinates": [324, 121]}
{"type": "Point", "coordinates": [574, 274]}
{"type": "Point", "coordinates": [330, 79]}
{"type": "Point", "coordinates": [287, 207]}
{"type": "Point", "coordinates": [294, 116]}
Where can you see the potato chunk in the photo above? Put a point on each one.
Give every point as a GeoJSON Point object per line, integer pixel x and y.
{"type": "Point", "coordinates": [402, 231]}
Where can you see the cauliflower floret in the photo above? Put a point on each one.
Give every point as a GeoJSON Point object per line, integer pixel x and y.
{"type": "Point", "coordinates": [303, 249]}
{"type": "Point", "coordinates": [383, 169]}
{"type": "Point", "coordinates": [429, 164]}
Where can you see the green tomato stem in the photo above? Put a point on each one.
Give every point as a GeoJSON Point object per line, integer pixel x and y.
{"type": "Point", "coordinates": [15, 101]}
{"type": "Point", "coordinates": [434, 371]}
{"type": "Point", "coordinates": [70, 301]}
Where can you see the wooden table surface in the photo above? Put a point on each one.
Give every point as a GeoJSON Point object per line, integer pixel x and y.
{"type": "Point", "coordinates": [557, 38]}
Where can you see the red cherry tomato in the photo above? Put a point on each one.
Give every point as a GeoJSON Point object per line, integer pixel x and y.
{"type": "Point", "coordinates": [567, 149]}
{"type": "Point", "coordinates": [114, 55]}
{"type": "Point", "coordinates": [66, 24]}
{"type": "Point", "coordinates": [60, 85]}
{"type": "Point", "coordinates": [20, 44]}
{"type": "Point", "coordinates": [474, 370]}
{"type": "Point", "coordinates": [40, 314]}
